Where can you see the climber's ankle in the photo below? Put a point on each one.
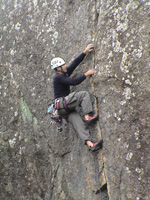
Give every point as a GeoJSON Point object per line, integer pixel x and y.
{"type": "Point", "coordinates": [86, 117]}
{"type": "Point", "coordinates": [89, 143]}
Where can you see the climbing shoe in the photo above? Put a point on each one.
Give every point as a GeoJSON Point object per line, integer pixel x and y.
{"type": "Point", "coordinates": [96, 146]}
{"type": "Point", "coordinates": [91, 119]}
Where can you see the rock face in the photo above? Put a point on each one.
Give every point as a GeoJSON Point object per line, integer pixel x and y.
{"type": "Point", "coordinates": [38, 162]}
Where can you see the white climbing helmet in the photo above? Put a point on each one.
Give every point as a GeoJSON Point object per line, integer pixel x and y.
{"type": "Point", "coordinates": [57, 62]}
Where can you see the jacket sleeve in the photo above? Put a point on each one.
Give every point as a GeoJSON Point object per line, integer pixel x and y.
{"type": "Point", "coordinates": [72, 81]}
{"type": "Point", "coordinates": [75, 63]}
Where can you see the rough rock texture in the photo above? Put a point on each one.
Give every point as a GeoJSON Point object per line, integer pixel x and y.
{"type": "Point", "coordinates": [36, 161]}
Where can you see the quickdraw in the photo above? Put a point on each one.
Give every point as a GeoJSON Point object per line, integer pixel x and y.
{"type": "Point", "coordinates": [101, 169]}
{"type": "Point", "coordinates": [52, 110]}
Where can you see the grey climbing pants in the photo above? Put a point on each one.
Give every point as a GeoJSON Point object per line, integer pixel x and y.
{"type": "Point", "coordinates": [73, 100]}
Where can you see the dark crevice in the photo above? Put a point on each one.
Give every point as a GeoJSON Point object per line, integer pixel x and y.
{"type": "Point", "coordinates": [103, 192]}
{"type": "Point", "coordinates": [65, 153]}
{"type": "Point", "coordinates": [104, 187]}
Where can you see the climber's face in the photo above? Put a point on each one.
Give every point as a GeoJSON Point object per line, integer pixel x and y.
{"type": "Point", "coordinates": [64, 68]}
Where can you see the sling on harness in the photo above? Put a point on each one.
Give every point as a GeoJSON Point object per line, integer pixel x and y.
{"type": "Point", "coordinates": [65, 106]}
{"type": "Point", "coordinates": [52, 110]}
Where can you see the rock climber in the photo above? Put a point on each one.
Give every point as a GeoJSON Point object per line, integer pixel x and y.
{"type": "Point", "coordinates": [67, 102]}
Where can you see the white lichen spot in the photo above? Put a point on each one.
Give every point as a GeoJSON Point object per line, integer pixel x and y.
{"type": "Point", "coordinates": [122, 26]}
{"type": "Point", "coordinates": [33, 94]}
{"type": "Point", "coordinates": [122, 102]}
{"type": "Point", "coordinates": [17, 26]}
{"type": "Point", "coordinates": [137, 53]}
{"type": "Point", "coordinates": [50, 29]}
{"type": "Point", "coordinates": [123, 67]}
{"type": "Point", "coordinates": [55, 2]}
{"type": "Point", "coordinates": [55, 35]}
{"type": "Point", "coordinates": [132, 76]}
{"type": "Point", "coordinates": [115, 114]}
{"type": "Point", "coordinates": [126, 145]}
{"type": "Point", "coordinates": [3, 7]}
{"type": "Point", "coordinates": [136, 83]}
{"type": "Point", "coordinates": [29, 9]}
{"type": "Point", "coordinates": [12, 142]}
{"type": "Point", "coordinates": [127, 93]}
{"type": "Point", "coordinates": [110, 55]}
{"type": "Point", "coordinates": [44, 4]}
{"type": "Point", "coordinates": [35, 2]}
{"type": "Point", "coordinates": [118, 118]}
{"type": "Point", "coordinates": [128, 171]}
{"type": "Point", "coordinates": [116, 45]}
{"type": "Point", "coordinates": [5, 28]}
{"type": "Point", "coordinates": [140, 172]}
{"type": "Point", "coordinates": [138, 145]}
{"type": "Point", "coordinates": [137, 198]}
{"type": "Point", "coordinates": [16, 113]}
{"type": "Point", "coordinates": [12, 76]}
{"type": "Point", "coordinates": [121, 16]}
{"type": "Point", "coordinates": [20, 138]}
{"type": "Point", "coordinates": [16, 134]}
{"type": "Point", "coordinates": [129, 156]}
{"type": "Point", "coordinates": [132, 6]}
{"type": "Point", "coordinates": [147, 4]}
{"type": "Point", "coordinates": [120, 112]}
{"type": "Point", "coordinates": [133, 94]}
{"type": "Point", "coordinates": [108, 116]}
{"type": "Point", "coordinates": [12, 52]}
{"type": "Point", "coordinates": [142, 158]}
{"type": "Point", "coordinates": [104, 100]}
{"type": "Point", "coordinates": [22, 149]}
{"type": "Point", "coordinates": [15, 4]}
{"type": "Point", "coordinates": [136, 135]}
{"type": "Point", "coordinates": [128, 82]}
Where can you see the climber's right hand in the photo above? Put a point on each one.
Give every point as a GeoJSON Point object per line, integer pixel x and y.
{"type": "Point", "coordinates": [89, 72]}
{"type": "Point", "coordinates": [89, 48]}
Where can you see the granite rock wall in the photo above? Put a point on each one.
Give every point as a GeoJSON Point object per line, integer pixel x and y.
{"type": "Point", "coordinates": [36, 160]}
